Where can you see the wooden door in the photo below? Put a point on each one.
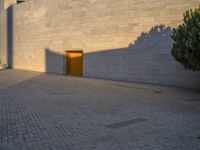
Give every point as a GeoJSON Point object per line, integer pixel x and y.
{"type": "Point", "coordinates": [74, 63]}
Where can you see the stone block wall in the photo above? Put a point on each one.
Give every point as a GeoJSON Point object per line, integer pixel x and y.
{"type": "Point", "coordinates": [8, 3]}
{"type": "Point", "coordinates": [148, 60]}
{"type": "Point", "coordinates": [125, 40]}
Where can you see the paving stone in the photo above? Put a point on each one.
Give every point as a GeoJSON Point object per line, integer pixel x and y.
{"type": "Point", "coordinates": [52, 112]}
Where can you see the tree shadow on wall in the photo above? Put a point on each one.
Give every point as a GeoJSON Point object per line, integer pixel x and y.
{"type": "Point", "coordinates": [122, 63]}
{"type": "Point", "coordinates": [148, 59]}
{"type": "Point", "coordinates": [157, 34]}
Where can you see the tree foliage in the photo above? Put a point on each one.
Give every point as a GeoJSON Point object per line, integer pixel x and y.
{"type": "Point", "coordinates": [186, 46]}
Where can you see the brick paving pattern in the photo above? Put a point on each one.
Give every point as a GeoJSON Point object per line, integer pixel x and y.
{"type": "Point", "coordinates": [52, 112]}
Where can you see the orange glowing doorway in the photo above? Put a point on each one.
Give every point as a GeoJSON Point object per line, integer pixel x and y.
{"type": "Point", "coordinates": [74, 62]}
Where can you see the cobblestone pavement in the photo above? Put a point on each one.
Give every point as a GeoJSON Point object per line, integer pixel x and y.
{"type": "Point", "coordinates": [53, 112]}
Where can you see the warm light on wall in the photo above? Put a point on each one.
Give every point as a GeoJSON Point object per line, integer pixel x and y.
{"type": "Point", "coordinates": [8, 3]}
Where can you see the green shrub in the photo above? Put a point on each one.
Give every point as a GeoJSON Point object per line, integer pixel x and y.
{"type": "Point", "coordinates": [186, 46]}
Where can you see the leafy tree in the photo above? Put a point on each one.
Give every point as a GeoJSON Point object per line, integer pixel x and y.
{"type": "Point", "coordinates": [186, 46]}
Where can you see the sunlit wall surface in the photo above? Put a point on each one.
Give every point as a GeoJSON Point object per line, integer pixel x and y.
{"type": "Point", "coordinates": [8, 3]}
{"type": "Point", "coordinates": [125, 40]}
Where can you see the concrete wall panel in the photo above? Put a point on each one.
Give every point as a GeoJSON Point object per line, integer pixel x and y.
{"type": "Point", "coordinates": [122, 40]}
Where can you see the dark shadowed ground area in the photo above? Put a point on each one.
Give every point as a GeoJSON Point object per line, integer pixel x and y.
{"type": "Point", "coordinates": [52, 112]}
